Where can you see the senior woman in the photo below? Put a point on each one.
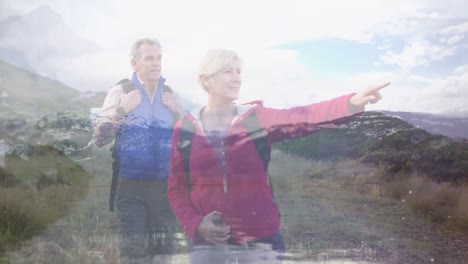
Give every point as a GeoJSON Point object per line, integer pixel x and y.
{"type": "Point", "coordinates": [219, 188]}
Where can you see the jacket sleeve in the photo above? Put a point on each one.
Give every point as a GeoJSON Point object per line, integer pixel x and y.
{"type": "Point", "coordinates": [303, 120]}
{"type": "Point", "coordinates": [177, 192]}
{"type": "Point", "coordinates": [107, 121]}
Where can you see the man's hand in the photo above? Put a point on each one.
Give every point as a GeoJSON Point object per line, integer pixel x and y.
{"type": "Point", "coordinates": [104, 134]}
{"type": "Point", "coordinates": [213, 229]}
{"type": "Point", "coordinates": [370, 95]}
{"type": "Point", "coordinates": [172, 102]}
{"type": "Point", "coordinates": [130, 101]}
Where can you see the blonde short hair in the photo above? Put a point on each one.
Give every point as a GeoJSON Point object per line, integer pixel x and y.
{"type": "Point", "coordinates": [214, 61]}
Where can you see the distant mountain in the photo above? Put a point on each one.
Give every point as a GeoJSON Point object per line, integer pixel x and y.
{"type": "Point", "coordinates": [458, 112]}
{"type": "Point", "coordinates": [38, 40]}
{"type": "Point", "coordinates": [30, 94]}
{"type": "Point", "coordinates": [390, 143]}
{"type": "Point", "coordinates": [453, 124]}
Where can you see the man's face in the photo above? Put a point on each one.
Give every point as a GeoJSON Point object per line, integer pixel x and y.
{"type": "Point", "coordinates": [148, 64]}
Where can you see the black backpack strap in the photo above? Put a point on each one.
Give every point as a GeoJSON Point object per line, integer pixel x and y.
{"type": "Point", "coordinates": [167, 89]}
{"type": "Point", "coordinates": [187, 131]}
{"type": "Point", "coordinates": [175, 116]}
{"type": "Point", "coordinates": [115, 178]}
{"type": "Point", "coordinates": [127, 85]}
{"type": "Point", "coordinates": [259, 137]}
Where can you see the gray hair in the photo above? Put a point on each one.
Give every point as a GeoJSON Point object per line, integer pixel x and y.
{"type": "Point", "coordinates": [135, 52]}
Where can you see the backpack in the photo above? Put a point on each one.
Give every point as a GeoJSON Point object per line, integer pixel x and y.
{"type": "Point", "coordinates": [127, 86]}
{"type": "Point", "coordinates": [255, 131]}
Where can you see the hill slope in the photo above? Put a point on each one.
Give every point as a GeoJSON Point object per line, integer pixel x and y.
{"type": "Point", "coordinates": [389, 142]}
{"type": "Point", "coordinates": [31, 94]}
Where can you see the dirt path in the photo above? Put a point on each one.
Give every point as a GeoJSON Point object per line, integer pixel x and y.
{"type": "Point", "coordinates": [323, 223]}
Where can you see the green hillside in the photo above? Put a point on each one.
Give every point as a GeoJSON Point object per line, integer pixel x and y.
{"type": "Point", "coordinates": [389, 142]}
{"type": "Point", "coordinates": [42, 124]}
{"type": "Point", "coordinates": [31, 95]}
{"type": "Point", "coordinates": [37, 189]}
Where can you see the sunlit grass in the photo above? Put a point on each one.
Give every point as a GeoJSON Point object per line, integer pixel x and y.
{"type": "Point", "coordinates": [314, 198]}
{"type": "Point", "coordinates": [444, 203]}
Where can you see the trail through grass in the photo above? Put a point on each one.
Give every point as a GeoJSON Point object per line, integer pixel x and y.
{"type": "Point", "coordinates": [322, 222]}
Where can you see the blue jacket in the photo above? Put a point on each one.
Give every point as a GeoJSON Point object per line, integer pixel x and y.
{"type": "Point", "coordinates": [143, 139]}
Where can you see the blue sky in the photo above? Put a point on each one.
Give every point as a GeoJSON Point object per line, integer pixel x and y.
{"type": "Point", "coordinates": [338, 59]}
{"type": "Point", "coordinates": [294, 53]}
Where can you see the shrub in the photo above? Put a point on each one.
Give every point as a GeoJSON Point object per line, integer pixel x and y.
{"type": "Point", "coordinates": [22, 215]}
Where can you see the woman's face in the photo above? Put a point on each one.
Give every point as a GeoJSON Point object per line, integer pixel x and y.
{"type": "Point", "coordinates": [226, 83]}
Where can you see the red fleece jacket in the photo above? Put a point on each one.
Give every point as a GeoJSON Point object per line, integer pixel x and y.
{"type": "Point", "coordinates": [248, 206]}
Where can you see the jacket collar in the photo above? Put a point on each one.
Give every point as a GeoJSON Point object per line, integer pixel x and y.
{"type": "Point", "coordinates": [242, 110]}
{"type": "Point", "coordinates": [161, 81]}
{"type": "Point", "coordinates": [140, 85]}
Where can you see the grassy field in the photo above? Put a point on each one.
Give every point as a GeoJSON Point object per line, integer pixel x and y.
{"type": "Point", "coordinates": [347, 211]}
{"type": "Point", "coordinates": [340, 212]}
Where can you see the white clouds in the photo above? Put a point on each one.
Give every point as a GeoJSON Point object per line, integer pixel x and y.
{"type": "Point", "coordinates": [432, 95]}
{"type": "Point", "coordinates": [455, 39]}
{"type": "Point", "coordinates": [432, 34]}
{"type": "Point", "coordinates": [430, 31]}
{"type": "Point", "coordinates": [454, 34]}
{"type": "Point", "coordinates": [264, 23]}
{"type": "Point", "coordinates": [461, 69]}
{"type": "Point", "coordinates": [98, 70]}
{"type": "Point", "coordinates": [418, 53]}
{"type": "Point", "coordinates": [428, 45]}
{"type": "Point", "coordinates": [455, 29]}
{"type": "Point", "coordinates": [448, 93]}
{"type": "Point", "coordinates": [409, 24]}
